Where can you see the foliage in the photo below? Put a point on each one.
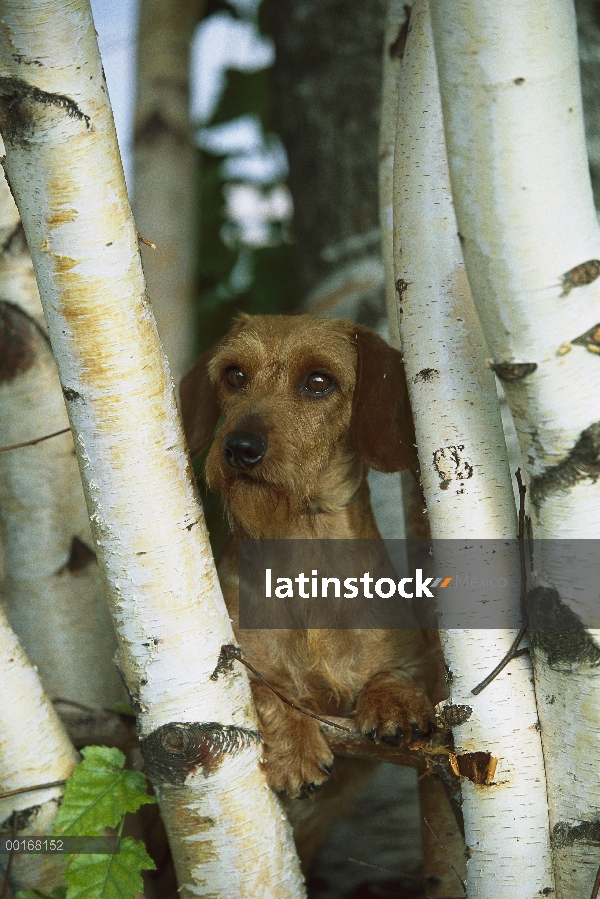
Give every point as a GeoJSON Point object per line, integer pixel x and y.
{"type": "Point", "coordinates": [98, 795]}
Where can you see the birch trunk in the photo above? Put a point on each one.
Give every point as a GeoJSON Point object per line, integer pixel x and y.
{"type": "Point", "coordinates": [227, 832]}
{"type": "Point", "coordinates": [519, 169]}
{"type": "Point", "coordinates": [34, 749]}
{"type": "Point", "coordinates": [53, 589]}
{"type": "Point", "coordinates": [468, 489]}
{"type": "Point", "coordinates": [165, 183]}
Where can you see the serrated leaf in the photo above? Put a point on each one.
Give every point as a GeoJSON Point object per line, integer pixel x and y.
{"type": "Point", "coordinates": [109, 876]}
{"type": "Point", "coordinates": [99, 793]}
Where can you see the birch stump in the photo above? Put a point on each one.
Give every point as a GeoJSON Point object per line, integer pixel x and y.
{"type": "Point", "coordinates": [511, 97]}
{"type": "Point", "coordinates": [199, 736]}
{"type": "Point", "coordinates": [467, 485]}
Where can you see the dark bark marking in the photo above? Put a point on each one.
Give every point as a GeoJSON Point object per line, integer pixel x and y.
{"type": "Point", "coordinates": [225, 662]}
{"type": "Point", "coordinates": [478, 767]}
{"type": "Point", "coordinates": [582, 462]}
{"type": "Point", "coordinates": [176, 750]}
{"type": "Point", "coordinates": [513, 371]}
{"type": "Point", "coordinates": [154, 128]}
{"type": "Point", "coordinates": [452, 716]}
{"type": "Point", "coordinates": [451, 465]}
{"type": "Point", "coordinates": [565, 834]}
{"type": "Point", "coordinates": [427, 374]}
{"type": "Point", "coordinates": [397, 49]}
{"type": "Point", "coordinates": [519, 81]}
{"type": "Point", "coordinates": [558, 632]}
{"type": "Point", "coordinates": [81, 555]}
{"type": "Point", "coordinates": [19, 342]}
{"type": "Point", "coordinates": [581, 274]}
{"type": "Point", "coordinates": [20, 104]}
{"type": "Point", "coordinates": [71, 395]}
{"type": "Point", "coordinates": [21, 59]}
{"type": "Point", "coordinates": [401, 287]}
{"type": "Point", "coordinates": [23, 818]}
{"type": "Point", "coordinates": [590, 340]}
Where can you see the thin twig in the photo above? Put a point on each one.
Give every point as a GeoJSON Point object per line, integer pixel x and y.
{"type": "Point", "coordinates": [53, 783]}
{"type": "Point", "coordinates": [596, 889]}
{"type": "Point", "coordinates": [145, 240]}
{"type": "Point", "coordinates": [13, 831]}
{"type": "Point", "coordinates": [357, 861]}
{"type": "Point", "coordinates": [234, 653]}
{"type": "Point", "coordinates": [5, 449]}
{"type": "Point", "coordinates": [513, 652]}
{"type": "Point", "coordinates": [443, 848]}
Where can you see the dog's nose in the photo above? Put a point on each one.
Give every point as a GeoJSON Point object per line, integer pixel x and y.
{"type": "Point", "coordinates": [243, 449]}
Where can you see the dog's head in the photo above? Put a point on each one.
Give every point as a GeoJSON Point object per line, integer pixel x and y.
{"type": "Point", "coordinates": [298, 395]}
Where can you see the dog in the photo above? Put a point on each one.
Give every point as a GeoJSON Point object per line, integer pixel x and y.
{"type": "Point", "coordinates": [309, 405]}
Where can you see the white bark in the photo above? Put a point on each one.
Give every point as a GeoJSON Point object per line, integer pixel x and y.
{"type": "Point", "coordinates": [165, 189]}
{"type": "Point", "coordinates": [53, 589]}
{"type": "Point", "coordinates": [226, 829]}
{"type": "Point", "coordinates": [34, 749]}
{"type": "Point", "coordinates": [468, 489]}
{"type": "Point", "coordinates": [512, 114]}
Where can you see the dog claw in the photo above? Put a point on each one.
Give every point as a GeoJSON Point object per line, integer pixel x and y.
{"type": "Point", "coordinates": [314, 788]}
{"type": "Point", "coordinates": [394, 739]}
{"type": "Point", "coordinates": [372, 735]}
{"type": "Point", "coordinates": [326, 769]}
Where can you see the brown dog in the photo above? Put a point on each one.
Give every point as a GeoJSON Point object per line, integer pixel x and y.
{"type": "Point", "coordinates": [309, 404]}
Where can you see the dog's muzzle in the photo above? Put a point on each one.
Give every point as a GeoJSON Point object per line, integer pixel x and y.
{"type": "Point", "coordinates": [243, 449]}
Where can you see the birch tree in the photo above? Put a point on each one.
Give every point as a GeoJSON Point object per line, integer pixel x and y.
{"type": "Point", "coordinates": [467, 485]}
{"type": "Point", "coordinates": [34, 749]}
{"type": "Point", "coordinates": [198, 733]}
{"type": "Point", "coordinates": [53, 589]}
{"type": "Point", "coordinates": [164, 157]}
{"type": "Point", "coordinates": [510, 89]}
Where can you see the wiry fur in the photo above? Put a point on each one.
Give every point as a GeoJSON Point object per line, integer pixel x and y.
{"type": "Point", "coordinates": [312, 483]}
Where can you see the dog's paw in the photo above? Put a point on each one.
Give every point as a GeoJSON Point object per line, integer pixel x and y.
{"type": "Point", "coordinates": [297, 759]}
{"type": "Point", "coordinates": [394, 711]}
{"type": "Point", "coordinates": [296, 756]}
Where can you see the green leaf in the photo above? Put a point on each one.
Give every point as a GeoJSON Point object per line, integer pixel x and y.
{"type": "Point", "coordinates": [99, 793]}
{"type": "Point", "coordinates": [59, 893]}
{"type": "Point", "coordinates": [109, 876]}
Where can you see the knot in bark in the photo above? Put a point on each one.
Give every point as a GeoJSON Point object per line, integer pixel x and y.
{"type": "Point", "coordinates": [176, 750]}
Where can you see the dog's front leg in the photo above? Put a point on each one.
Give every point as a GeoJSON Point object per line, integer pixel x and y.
{"type": "Point", "coordinates": [297, 757]}
{"type": "Point", "coordinates": [392, 708]}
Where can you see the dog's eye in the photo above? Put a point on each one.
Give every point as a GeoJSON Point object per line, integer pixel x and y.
{"type": "Point", "coordinates": [318, 384]}
{"type": "Point", "coordinates": [235, 377]}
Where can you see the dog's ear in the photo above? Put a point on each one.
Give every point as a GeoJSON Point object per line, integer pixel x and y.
{"type": "Point", "coordinates": [382, 423]}
{"type": "Point", "coordinates": [199, 407]}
